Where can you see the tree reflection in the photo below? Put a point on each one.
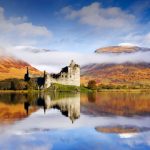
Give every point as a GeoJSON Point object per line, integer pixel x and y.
{"type": "Point", "coordinates": [92, 97]}
{"type": "Point", "coordinates": [26, 107]}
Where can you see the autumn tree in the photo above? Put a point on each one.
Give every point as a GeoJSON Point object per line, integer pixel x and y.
{"type": "Point", "coordinates": [92, 84]}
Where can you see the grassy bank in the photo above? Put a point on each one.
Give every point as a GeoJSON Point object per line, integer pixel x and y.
{"type": "Point", "coordinates": [75, 89]}
{"type": "Point", "coordinates": [19, 91]}
{"type": "Point", "coordinates": [63, 88]}
{"type": "Point", "coordinates": [123, 90]}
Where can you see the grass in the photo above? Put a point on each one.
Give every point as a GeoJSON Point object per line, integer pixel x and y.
{"type": "Point", "coordinates": [84, 89]}
{"type": "Point", "coordinates": [68, 88]}
{"type": "Point", "coordinates": [123, 90]}
{"type": "Point", "coordinates": [18, 91]}
{"type": "Point", "coordinates": [63, 88]}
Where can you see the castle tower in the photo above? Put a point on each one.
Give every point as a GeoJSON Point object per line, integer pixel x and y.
{"type": "Point", "coordinates": [27, 70]}
{"type": "Point", "coordinates": [72, 64]}
{"type": "Point", "coordinates": [44, 74]}
{"type": "Point", "coordinates": [47, 81]}
{"type": "Point", "coordinates": [74, 73]}
{"type": "Point", "coordinates": [27, 75]}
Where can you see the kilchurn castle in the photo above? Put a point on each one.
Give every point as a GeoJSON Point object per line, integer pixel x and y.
{"type": "Point", "coordinates": [69, 75]}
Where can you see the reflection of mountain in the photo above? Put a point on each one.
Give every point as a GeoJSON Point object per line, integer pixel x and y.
{"type": "Point", "coordinates": [122, 129]}
{"type": "Point", "coordinates": [11, 107]}
{"type": "Point", "coordinates": [116, 103]}
{"type": "Point", "coordinates": [69, 106]}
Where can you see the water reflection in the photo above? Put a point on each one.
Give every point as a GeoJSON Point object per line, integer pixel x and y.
{"type": "Point", "coordinates": [116, 103]}
{"type": "Point", "coordinates": [26, 107]}
{"type": "Point", "coordinates": [107, 121]}
{"type": "Point", "coordinates": [69, 106]}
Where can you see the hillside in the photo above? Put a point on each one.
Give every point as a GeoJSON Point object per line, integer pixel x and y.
{"type": "Point", "coordinates": [117, 74]}
{"type": "Point", "coordinates": [125, 74]}
{"type": "Point", "coordinates": [14, 68]}
{"type": "Point", "coordinates": [121, 49]}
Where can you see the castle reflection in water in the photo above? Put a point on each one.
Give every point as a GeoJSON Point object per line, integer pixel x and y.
{"type": "Point", "coordinates": [68, 106]}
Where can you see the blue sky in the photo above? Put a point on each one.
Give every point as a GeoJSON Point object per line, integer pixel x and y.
{"type": "Point", "coordinates": [74, 25]}
{"type": "Point", "coordinates": [74, 29]}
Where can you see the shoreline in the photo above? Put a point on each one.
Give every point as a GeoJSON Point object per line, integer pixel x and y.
{"type": "Point", "coordinates": [123, 90]}
{"type": "Point", "coordinates": [102, 90]}
{"type": "Point", "coordinates": [17, 91]}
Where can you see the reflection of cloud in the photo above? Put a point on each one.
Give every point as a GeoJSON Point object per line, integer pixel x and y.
{"type": "Point", "coordinates": [59, 130]}
{"type": "Point", "coordinates": [127, 135]}
{"type": "Point", "coordinates": [24, 142]}
{"type": "Point", "coordinates": [54, 120]}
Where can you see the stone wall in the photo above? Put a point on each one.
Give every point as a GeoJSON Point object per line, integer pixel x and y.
{"type": "Point", "coordinates": [71, 77]}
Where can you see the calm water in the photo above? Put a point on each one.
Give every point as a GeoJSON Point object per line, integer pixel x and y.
{"type": "Point", "coordinates": [106, 120]}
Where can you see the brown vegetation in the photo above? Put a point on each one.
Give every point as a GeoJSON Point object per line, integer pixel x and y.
{"type": "Point", "coordinates": [117, 49]}
{"type": "Point", "coordinates": [129, 75]}
{"type": "Point", "coordinates": [14, 68]}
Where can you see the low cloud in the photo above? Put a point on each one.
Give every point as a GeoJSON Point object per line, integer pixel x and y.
{"type": "Point", "coordinates": [53, 61]}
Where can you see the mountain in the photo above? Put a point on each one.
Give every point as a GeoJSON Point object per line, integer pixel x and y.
{"type": "Point", "coordinates": [117, 74]}
{"type": "Point", "coordinates": [128, 74]}
{"type": "Point", "coordinates": [121, 49]}
{"type": "Point", "coordinates": [11, 67]}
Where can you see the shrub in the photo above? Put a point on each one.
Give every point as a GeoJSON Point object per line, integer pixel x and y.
{"type": "Point", "coordinates": [92, 84]}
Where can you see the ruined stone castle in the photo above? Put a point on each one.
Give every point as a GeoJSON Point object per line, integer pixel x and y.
{"type": "Point", "coordinates": [69, 75]}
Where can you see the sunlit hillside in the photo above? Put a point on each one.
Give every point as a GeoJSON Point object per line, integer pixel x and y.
{"type": "Point", "coordinates": [135, 74]}
{"type": "Point", "coordinates": [14, 68]}
{"type": "Point", "coordinates": [117, 74]}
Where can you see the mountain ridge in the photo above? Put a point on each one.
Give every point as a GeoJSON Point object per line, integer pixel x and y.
{"type": "Point", "coordinates": [121, 49]}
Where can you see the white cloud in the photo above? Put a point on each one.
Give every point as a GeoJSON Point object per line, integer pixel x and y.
{"type": "Point", "coordinates": [17, 30]}
{"type": "Point", "coordinates": [138, 39]}
{"type": "Point", "coordinates": [53, 61]}
{"type": "Point", "coordinates": [127, 44]}
{"type": "Point", "coordinates": [109, 25]}
{"type": "Point", "coordinates": [96, 15]}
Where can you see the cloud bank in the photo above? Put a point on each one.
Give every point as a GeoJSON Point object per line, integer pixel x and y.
{"type": "Point", "coordinates": [53, 61]}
